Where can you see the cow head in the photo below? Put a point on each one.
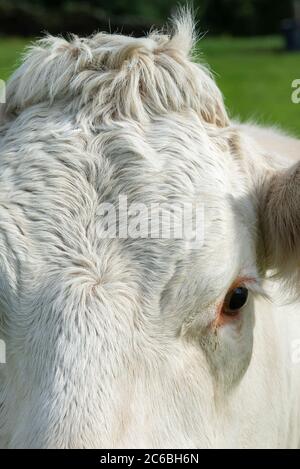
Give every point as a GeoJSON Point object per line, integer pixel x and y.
{"type": "Point", "coordinates": [128, 340]}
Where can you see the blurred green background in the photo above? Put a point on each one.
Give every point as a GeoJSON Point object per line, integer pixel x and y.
{"type": "Point", "coordinates": [243, 44]}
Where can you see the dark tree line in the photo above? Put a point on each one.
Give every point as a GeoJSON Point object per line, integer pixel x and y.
{"type": "Point", "coordinates": [247, 17]}
{"type": "Point", "coordinates": [237, 17]}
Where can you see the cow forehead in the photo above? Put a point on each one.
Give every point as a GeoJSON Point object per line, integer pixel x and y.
{"type": "Point", "coordinates": [55, 176]}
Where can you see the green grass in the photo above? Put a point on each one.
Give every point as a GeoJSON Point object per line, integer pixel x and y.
{"type": "Point", "coordinates": [10, 51]}
{"type": "Point", "coordinates": [255, 76]}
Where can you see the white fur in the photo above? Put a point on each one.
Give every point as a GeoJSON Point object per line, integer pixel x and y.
{"type": "Point", "coordinates": [112, 343]}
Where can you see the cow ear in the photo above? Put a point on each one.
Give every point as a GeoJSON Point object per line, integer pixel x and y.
{"type": "Point", "coordinates": [279, 206]}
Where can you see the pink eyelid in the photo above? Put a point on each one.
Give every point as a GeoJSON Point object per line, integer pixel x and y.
{"type": "Point", "coordinates": [240, 281]}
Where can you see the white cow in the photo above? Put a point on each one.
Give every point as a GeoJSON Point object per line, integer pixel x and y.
{"type": "Point", "coordinates": [143, 341]}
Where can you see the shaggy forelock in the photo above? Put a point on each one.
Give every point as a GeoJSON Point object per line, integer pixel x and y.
{"type": "Point", "coordinates": [110, 77]}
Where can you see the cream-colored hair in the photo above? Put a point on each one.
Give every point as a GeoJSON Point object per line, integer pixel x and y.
{"type": "Point", "coordinates": [112, 76]}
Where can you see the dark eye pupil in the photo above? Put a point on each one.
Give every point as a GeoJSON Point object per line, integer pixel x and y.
{"type": "Point", "coordinates": [238, 298]}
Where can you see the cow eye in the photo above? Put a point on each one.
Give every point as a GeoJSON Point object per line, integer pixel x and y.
{"type": "Point", "coordinates": [235, 300]}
